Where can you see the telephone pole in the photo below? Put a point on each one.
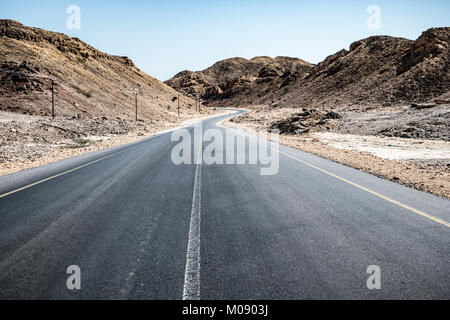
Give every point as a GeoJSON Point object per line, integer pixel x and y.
{"type": "Point", "coordinates": [136, 107]}
{"type": "Point", "coordinates": [196, 103]}
{"type": "Point", "coordinates": [178, 104]}
{"type": "Point", "coordinates": [137, 91]}
{"type": "Point", "coordinates": [53, 99]}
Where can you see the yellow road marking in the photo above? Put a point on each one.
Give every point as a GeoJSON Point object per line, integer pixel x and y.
{"type": "Point", "coordinates": [58, 175]}
{"type": "Point", "coordinates": [421, 213]}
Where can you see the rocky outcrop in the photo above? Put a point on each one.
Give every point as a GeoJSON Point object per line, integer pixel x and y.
{"type": "Point", "coordinates": [306, 121]}
{"type": "Point", "coordinates": [239, 81]}
{"type": "Point", "coordinates": [377, 71]}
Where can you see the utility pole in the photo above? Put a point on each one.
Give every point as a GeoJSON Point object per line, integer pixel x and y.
{"type": "Point", "coordinates": [137, 90]}
{"type": "Point", "coordinates": [53, 99]}
{"type": "Point", "coordinates": [178, 104]}
{"type": "Point", "coordinates": [136, 107]}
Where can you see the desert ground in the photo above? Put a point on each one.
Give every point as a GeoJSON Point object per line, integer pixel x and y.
{"type": "Point", "coordinates": [410, 147]}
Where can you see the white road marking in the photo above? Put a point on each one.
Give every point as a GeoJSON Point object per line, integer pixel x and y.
{"type": "Point", "coordinates": [191, 290]}
{"type": "Point", "coordinates": [59, 175]}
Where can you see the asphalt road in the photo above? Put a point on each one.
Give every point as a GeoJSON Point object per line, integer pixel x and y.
{"type": "Point", "coordinates": [141, 227]}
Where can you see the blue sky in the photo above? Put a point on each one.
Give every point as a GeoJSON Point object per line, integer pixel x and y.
{"type": "Point", "coordinates": [165, 37]}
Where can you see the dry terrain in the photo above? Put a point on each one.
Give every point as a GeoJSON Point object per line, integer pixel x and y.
{"type": "Point", "coordinates": [383, 106]}
{"type": "Point", "coordinates": [88, 83]}
{"type": "Point", "coordinates": [379, 71]}
{"type": "Point", "coordinates": [94, 99]}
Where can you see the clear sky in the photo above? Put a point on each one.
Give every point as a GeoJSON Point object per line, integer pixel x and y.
{"type": "Point", "coordinates": [165, 37]}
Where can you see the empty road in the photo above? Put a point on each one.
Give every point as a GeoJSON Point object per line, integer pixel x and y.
{"type": "Point", "coordinates": [141, 227]}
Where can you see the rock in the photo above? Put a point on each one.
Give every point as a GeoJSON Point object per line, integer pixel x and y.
{"type": "Point", "coordinates": [420, 106]}
{"type": "Point", "coordinates": [332, 115]}
{"type": "Point", "coordinates": [304, 114]}
{"type": "Point", "coordinates": [442, 101]}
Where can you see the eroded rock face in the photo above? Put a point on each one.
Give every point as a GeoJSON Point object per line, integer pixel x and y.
{"type": "Point", "coordinates": [233, 81]}
{"type": "Point", "coordinates": [86, 80]}
{"type": "Point", "coordinates": [377, 71]}
{"type": "Point", "coordinates": [432, 44]}
{"type": "Point", "coordinates": [65, 44]}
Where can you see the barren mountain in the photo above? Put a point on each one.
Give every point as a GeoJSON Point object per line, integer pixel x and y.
{"type": "Point", "coordinates": [238, 81]}
{"type": "Point", "coordinates": [88, 83]}
{"type": "Point", "coordinates": [377, 71]}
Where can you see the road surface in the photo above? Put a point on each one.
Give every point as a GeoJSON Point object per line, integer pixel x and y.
{"type": "Point", "coordinates": [140, 227]}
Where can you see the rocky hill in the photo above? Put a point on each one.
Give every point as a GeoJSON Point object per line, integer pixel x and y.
{"type": "Point", "coordinates": [238, 81]}
{"type": "Point", "coordinates": [375, 72]}
{"type": "Point", "coordinates": [88, 83]}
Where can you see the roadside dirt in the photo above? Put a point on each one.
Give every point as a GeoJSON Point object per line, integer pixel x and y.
{"type": "Point", "coordinates": [391, 148]}
{"type": "Point", "coordinates": [32, 141]}
{"type": "Point", "coordinates": [401, 121]}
